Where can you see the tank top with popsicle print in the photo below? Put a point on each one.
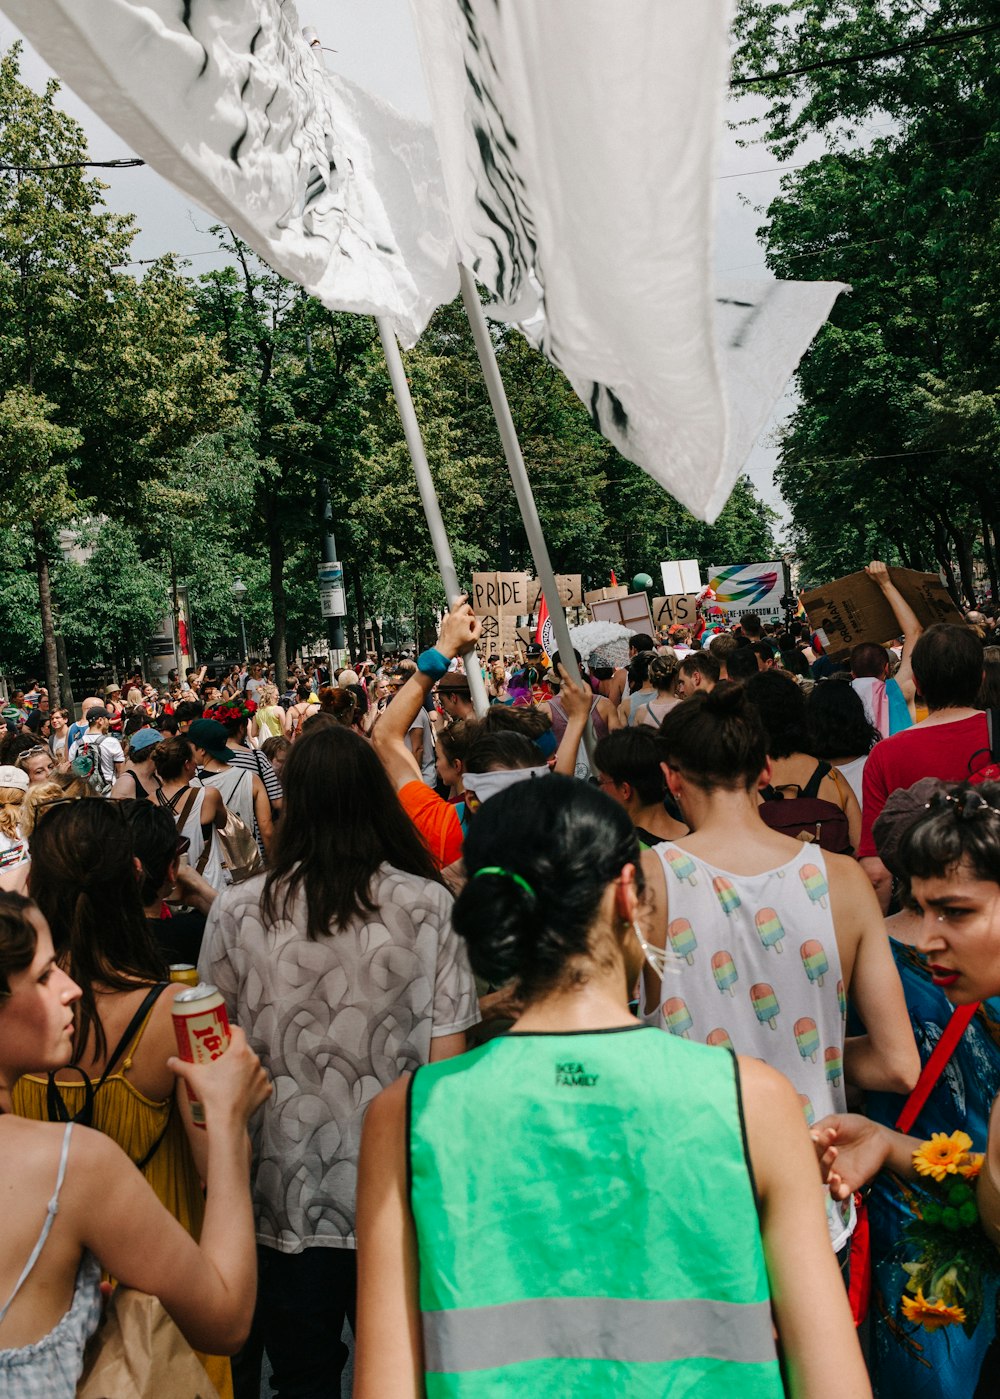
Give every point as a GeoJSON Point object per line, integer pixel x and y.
{"type": "Point", "coordinates": [756, 968]}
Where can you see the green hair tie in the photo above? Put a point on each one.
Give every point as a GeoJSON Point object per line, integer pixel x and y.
{"type": "Point", "coordinates": [506, 874]}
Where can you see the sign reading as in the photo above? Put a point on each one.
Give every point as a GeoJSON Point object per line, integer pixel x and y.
{"type": "Point", "coordinates": [749, 587]}
{"type": "Point", "coordinates": [853, 609]}
{"type": "Point", "coordinates": [680, 609]}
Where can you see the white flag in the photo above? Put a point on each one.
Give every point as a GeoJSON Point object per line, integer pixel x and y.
{"type": "Point", "coordinates": [578, 141]}
{"type": "Point", "coordinates": [330, 186]}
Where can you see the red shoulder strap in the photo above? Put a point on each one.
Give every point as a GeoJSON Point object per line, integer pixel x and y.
{"type": "Point", "coordinates": [936, 1064]}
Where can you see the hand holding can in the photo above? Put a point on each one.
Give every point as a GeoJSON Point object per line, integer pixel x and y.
{"type": "Point", "coordinates": [228, 1084]}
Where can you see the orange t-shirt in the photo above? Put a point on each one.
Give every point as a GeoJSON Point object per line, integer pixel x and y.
{"type": "Point", "coordinates": [435, 819]}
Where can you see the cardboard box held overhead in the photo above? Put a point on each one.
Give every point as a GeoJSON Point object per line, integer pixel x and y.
{"type": "Point", "coordinates": [854, 609]}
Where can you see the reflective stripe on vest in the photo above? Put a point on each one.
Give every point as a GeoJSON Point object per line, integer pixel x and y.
{"type": "Point", "coordinates": [596, 1328]}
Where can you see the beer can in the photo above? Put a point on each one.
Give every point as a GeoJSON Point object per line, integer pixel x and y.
{"type": "Point", "coordinates": [202, 1029]}
{"type": "Point", "coordinates": [183, 972]}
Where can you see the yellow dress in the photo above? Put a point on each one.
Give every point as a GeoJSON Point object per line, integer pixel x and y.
{"type": "Point", "coordinates": [135, 1122]}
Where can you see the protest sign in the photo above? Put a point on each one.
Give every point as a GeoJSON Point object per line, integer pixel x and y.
{"type": "Point", "coordinates": [749, 587]}
{"type": "Point", "coordinates": [680, 576]}
{"type": "Point", "coordinates": [605, 594]}
{"type": "Point", "coordinates": [631, 611]}
{"type": "Point", "coordinates": [679, 609]}
{"type": "Point", "coordinates": [853, 609]}
{"type": "Point", "coordinates": [568, 585]}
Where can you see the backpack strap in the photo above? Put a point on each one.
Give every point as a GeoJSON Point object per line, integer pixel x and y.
{"type": "Point", "coordinates": [811, 789]}
{"type": "Point", "coordinates": [55, 1104]}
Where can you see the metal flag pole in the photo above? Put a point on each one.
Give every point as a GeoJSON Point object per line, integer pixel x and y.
{"type": "Point", "coordinates": [522, 486]}
{"type": "Point", "coordinates": [428, 495]}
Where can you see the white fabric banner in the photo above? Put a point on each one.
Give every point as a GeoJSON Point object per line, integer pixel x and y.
{"type": "Point", "coordinates": [578, 141]}
{"type": "Point", "coordinates": [330, 186]}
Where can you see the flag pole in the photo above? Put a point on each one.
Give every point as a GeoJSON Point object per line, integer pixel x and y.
{"type": "Point", "coordinates": [428, 495]}
{"type": "Point", "coordinates": [522, 486]}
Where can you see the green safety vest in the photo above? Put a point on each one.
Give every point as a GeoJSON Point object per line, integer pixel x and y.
{"type": "Point", "coordinates": [586, 1222]}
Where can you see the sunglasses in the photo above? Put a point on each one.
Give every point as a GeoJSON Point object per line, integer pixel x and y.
{"type": "Point", "coordinates": [22, 758]}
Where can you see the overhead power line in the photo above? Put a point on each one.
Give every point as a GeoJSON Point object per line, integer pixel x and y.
{"type": "Point", "coordinates": [927, 41]}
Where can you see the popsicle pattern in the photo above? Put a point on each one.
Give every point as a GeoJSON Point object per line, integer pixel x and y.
{"type": "Point", "coordinates": [842, 1000]}
{"type": "Point", "coordinates": [807, 1038]}
{"type": "Point", "coordinates": [726, 894]}
{"type": "Point", "coordinates": [814, 883]}
{"type": "Point", "coordinates": [757, 968]}
{"type": "Point", "coordinates": [682, 939]}
{"type": "Point", "coordinates": [765, 1004]}
{"type": "Point", "coordinates": [814, 960]}
{"type": "Point", "coordinates": [677, 1016]}
{"type": "Point", "coordinates": [769, 928]}
{"type": "Point", "coordinates": [724, 971]}
{"type": "Point", "coordinates": [682, 865]}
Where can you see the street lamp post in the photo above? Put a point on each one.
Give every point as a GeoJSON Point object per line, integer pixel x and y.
{"type": "Point", "coordinates": [239, 592]}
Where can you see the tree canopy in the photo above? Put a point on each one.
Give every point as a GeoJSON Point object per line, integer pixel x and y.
{"type": "Point", "coordinates": [890, 449]}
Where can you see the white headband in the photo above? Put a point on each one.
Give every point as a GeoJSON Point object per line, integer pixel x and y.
{"type": "Point", "coordinates": [484, 785]}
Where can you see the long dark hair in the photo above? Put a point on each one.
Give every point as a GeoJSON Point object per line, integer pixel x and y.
{"type": "Point", "coordinates": [539, 858]}
{"type": "Point", "coordinates": [83, 878]}
{"type": "Point", "coordinates": [340, 823]}
{"type": "Point", "coordinates": [838, 724]}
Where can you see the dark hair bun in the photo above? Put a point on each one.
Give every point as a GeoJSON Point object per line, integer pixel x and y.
{"type": "Point", "coordinates": [567, 841]}
{"type": "Point", "coordinates": [727, 700]}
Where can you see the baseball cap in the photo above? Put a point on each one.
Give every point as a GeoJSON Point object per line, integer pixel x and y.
{"type": "Point", "coordinates": [210, 735]}
{"type": "Point", "coordinates": [13, 777]}
{"type": "Point", "coordinates": [97, 711]}
{"type": "Point", "coordinates": [347, 677]}
{"type": "Point", "coordinates": [143, 739]}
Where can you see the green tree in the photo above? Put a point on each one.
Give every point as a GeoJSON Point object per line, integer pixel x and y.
{"type": "Point", "coordinates": [294, 364]}
{"type": "Point", "coordinates": [890, 449]}
{"type": "Point", "coordinates": [103, 375]}
{"type": "Point", "coordinates": [37, 452]}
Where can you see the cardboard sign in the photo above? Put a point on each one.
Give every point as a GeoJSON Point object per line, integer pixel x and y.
{"type": "Point", "coordinates": [493, 593]}
{"type": "Point", "coordinates": [681, 608]}
{"type": "Point", "coordinates": [568, 585]}
{"type": "Point", "coordinates": [631, 611]}
{"type": "Point", "coordinates": [605, 594]}
{"type": "Point", "coordinates": [680, 576]}
{"type": "Point", "coordinates": [749, 587]}
{"type": "Point", "coordinates": [854, 609]}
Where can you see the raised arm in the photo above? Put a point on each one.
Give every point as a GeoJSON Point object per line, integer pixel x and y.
{"type": "Point", "coordinates": [576, 702]}
{"type": "Point", "coordinates": [460, 630]}
{"type": "Point", "coordinates": [906, 620]}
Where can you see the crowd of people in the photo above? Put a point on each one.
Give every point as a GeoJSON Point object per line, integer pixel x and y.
{"type": "Point", "coordinates": [570, 1039]}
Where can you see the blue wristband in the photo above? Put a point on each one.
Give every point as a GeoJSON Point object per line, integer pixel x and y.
{"type": "Point", "coordinates": [432, 663]}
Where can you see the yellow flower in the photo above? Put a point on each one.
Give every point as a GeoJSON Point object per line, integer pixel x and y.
{"type": "Point", "coordinates": [932, 1316]}
{"type": "Point", "coordinates": [973, 1165]}
{"type": "Point", "coordinates": [942, 1155]}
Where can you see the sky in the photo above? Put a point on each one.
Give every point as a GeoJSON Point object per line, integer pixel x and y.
{"type": "Point", "coordinates": [375, 45]}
